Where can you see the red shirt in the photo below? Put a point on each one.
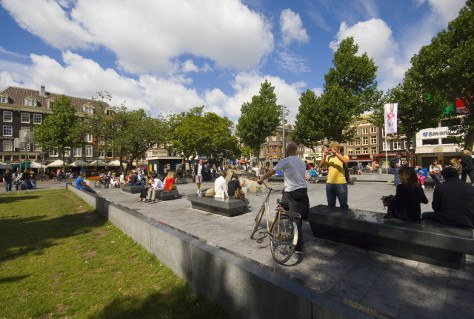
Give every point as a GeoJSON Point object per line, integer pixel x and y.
{"type": "Point", "coordinates": [168, 182]}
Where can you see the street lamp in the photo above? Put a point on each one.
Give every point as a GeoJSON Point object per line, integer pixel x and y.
{"type": "Point", "coordinates": [284, 109]}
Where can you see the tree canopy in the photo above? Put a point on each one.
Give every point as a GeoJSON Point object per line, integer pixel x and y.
{"type": "Point", "coordinates": [62, 130]}
{"type": "Point", "coordinates": [350, 89]}
{"type": "Point", "coordinates": [259, 118]}
{"type": "Point", "coordinates": [445, 67]}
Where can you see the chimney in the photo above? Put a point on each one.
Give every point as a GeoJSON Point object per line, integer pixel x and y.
{"type": "Point", "coordinates": [42, 92]}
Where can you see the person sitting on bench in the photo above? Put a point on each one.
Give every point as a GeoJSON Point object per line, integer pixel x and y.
{"type": "Point", "coordinates": [453, 201]}
{"type": "Point", "coordinates": [405, 204]}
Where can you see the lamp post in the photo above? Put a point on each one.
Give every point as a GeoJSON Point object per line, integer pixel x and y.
{"type": "Point", "coordinates": [284, 109]}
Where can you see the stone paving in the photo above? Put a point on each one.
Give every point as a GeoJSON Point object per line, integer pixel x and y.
{"type": "Point", "coordinates": [380, 284]}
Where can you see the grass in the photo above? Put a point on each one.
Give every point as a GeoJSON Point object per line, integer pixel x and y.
{"type": "Point", "coordinates": [59, 259]}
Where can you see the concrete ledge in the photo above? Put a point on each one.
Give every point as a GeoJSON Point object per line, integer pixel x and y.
{"type": "Point", "coordinates": [169, 195]}
{"type": "Point", "coordinates": [425, 241]}
{"type": "Point", "coordinates": [226, 207]}
{"type": "Point", "coordinates": [244, 288]}
{"type": "Point", "coordinates": [133, 189]}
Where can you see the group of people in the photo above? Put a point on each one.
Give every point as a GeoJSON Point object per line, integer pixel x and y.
{"type": "Point", "coordinates": [154, 186]}
{"type": "Point", "coordinates": [453, 199]}
{"type": "Point", "coordinates": [21, 180]}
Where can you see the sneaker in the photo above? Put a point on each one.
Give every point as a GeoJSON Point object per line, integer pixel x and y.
{"type": "Point", "coordinates": [98, 192]}
{"type": "Point", "coordinates": [198, 192]}
{"type": "Point", "coordinates": [423, 186]}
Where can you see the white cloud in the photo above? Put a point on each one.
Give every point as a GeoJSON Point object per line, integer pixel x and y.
{"type": "Point", "coordinates": [444, 10]}
{"type": "Point", "coordinates": [292, 62]}
{"type": "Point", "coordinates": [189, 66]}
{"type": "Point", "coordinates": [48, 21]}
{"type": "Point", "coordinates": [147, 36]}
{"type": "Point", "coordinates": [292, 28]}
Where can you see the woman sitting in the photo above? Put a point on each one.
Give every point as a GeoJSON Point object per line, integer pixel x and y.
{"type": "Point", "coordinates": [421, 174]}
{"type": "Point", "coordinates": [405, 204]}
{"type": "Point", "coordinates": [233, 185]}
{"type": "Point", "coordinates": [435, 173]}
{"type": "Point", "coordinates": [169, 181]}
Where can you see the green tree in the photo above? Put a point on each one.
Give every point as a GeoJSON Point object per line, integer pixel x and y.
{"type": "Point", "coordinates": [416, 110]}
{"type": "Point", "coordinates": [259, 118]}
{"type": "Point", "coordinates": [350, 89]}
{"type": "Point", "coordinates": [446, 68]}
{"type": "Point", "coordinates": [194, 132]}
{"type": "Point", "coordinates": [62, 130]}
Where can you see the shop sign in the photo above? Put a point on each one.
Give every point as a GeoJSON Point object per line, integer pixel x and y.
{"type": "Point", "coordinates": [437, 134]}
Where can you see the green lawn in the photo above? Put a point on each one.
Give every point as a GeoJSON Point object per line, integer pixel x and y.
{"type": "Point", "coordinates": [58, 259]}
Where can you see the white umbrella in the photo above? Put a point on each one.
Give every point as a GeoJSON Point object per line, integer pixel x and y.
{"type": "Point", "coordinates": [56, 163]}
{"type": "Point", "coordinates": [79, 163]}
{"type": "Point", "coordinates": [116, 163]}
{"type": "Point", "coordinates": [37, 165]}
{"type": "Point", "coordinates": [5, 166]}
{"type": "Point", "coordinates": [98, 163]}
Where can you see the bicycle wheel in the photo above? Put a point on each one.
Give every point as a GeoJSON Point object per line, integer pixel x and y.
{"type": "Point", "coordinates": [97, 184]}
{"type": "Point", "coordinates": [283, 238]}
{"type": "Point", "coordinates": [45, 177]}
{"type": "Point", "coordinates": [258, 219]}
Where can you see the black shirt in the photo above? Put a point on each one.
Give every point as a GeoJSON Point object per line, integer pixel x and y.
{"type": "Point", "coordinates": [233, 186]}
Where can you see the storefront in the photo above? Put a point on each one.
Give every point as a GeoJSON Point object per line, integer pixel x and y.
{"type": "Point", "coordinates": [435, 144]}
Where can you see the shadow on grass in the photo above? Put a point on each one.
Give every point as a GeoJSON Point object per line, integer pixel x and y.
{"type": "Point", "coordinates": [174, 304]}
{"type": "Point", "coordinates": [12, 279]}
{"type": "Point", "coordinates": [22, 235]}
{"type": "Point", "coordinates": [5, 199]}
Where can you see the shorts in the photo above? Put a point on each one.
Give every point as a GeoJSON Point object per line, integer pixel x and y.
{"type": "Point", "coordinates": [198, 179]}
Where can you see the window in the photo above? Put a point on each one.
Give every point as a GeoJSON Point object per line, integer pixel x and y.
{"type": "Point", "coordinates": [50, 104]}
{"type": "Point", "coordinates": [350, 143]}
{"type": "Point", "coordinates": [365, 150]}
{"type": "Point", "coordinates": [89, 150]}
{"type": "Point", "coordinates": [88, 109]}
{"type": "Point", "coordinates": [373, 129]}
{"type": "Point", "coordinates": [7, 145]}
{"type": "Point", "coordinates": [89, 138]}
{"type": "Point", "coordinates": [431, 141]}
{"type": "Point", "coordinates": [365, 140]}
{"type": "Point", "coordinates": [77, 152]}
{"type": "Point", "coordinates": [101, 153]}
{"type": "Point", "coordinates": [373, 140]}
{"type": "Point", "coordinates": [27, 148]}
{"type": "Point", "coordinates": [7, 116]}
{"type": "Point", "coordinates": [350, 152]}
{"type": "Point", "coordinates": [7, 130]}
{"type": "Point", "coordinates": [53, 153]}
{"type": "Point", "coordinates": [358, 132]}
{"type": "Point", "coordinates": [30, 102]}
{"type": "Point", "coordinates": [373, 150]}
{"type": "Point", "coordinates": [397, 145]}
{"type": "Point", "coordinates": [448, 140]}
{"type": "Point", "coordinates": [3, 99]}
{"type": "Point", "coordinates": [357, 141]}
{"type": "Point", "coordinates": [37, 147]}
{"type": "Point", "coordinates": [25, 117]}
{"type": "Point", "coordinates": [37, 119]}
{"type": "Point", "coordinates": [365, 130]}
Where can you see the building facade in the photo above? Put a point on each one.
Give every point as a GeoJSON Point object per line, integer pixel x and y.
{"type": "Point", "coordinates": [22, 109]}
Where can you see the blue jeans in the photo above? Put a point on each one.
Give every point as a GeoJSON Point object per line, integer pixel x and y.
{"type": "Point", "coordinates": [339, 191]}
{"type": "Point", "coordinates": [436, 179]}
{"type": "Point", "coordinates": [33, 183]}
{"type": "Point", "coordinates": [8, 186]}
{"type": "Point", "coordinates": [396, 179]}
{"type": "Point", "coordinates": [88, 189]}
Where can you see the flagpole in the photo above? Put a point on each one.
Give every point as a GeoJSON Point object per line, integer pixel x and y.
{"type": "Point", "coordinates": [386, 150]}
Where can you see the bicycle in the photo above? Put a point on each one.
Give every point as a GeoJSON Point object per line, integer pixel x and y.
{"type": "Point", "coordinates": [102, 182]}
{"type": "Point", "coordinates": [282, 232]}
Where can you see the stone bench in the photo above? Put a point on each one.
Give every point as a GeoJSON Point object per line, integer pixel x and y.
{"type": "Point", "coordinates": [169, 195]}
{"type": "Point", "coordinates": [227, 207]}
{"type": "Point", "coordinates": [425, 241]}
{"type": "Point", "coordinates": [133, 189]}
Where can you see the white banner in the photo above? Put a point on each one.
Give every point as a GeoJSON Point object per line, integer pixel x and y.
{"type": "Point", "coordinates": [391, 115]}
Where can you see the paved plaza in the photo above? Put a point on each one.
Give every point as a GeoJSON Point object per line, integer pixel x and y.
{"type": "Point", "coordinates": [379, 284]}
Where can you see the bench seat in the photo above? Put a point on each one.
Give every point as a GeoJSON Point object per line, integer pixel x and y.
{"type": "Point", "coordinates": [171, 194]}
{"type": "Point", "coordinates": [133, 189]}
{"type": "Point", "coordinates": [227, 207]}
{"type": "Point", "coordinates": [425, 241]}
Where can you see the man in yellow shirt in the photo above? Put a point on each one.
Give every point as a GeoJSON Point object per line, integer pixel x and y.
{"type": "Point", "coordinates": [336, 185]}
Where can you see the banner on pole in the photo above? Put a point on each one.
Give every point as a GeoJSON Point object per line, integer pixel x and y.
{"type": "Point", "coordinates": [391, 115]}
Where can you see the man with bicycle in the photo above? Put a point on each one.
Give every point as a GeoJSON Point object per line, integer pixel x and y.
{"type": "Point", "coordinates": [295, 193]}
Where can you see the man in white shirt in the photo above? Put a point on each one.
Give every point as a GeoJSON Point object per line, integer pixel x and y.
{"type": "Point", "coordinates": [220, 186]}
{"type": "Point", "coordinates": [156, 187]}
{"type": "Point", "coordinates": [295, 193]}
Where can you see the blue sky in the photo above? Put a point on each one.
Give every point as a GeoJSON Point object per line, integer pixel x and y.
{"type": "Point", "coordinates": [168, 56]}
